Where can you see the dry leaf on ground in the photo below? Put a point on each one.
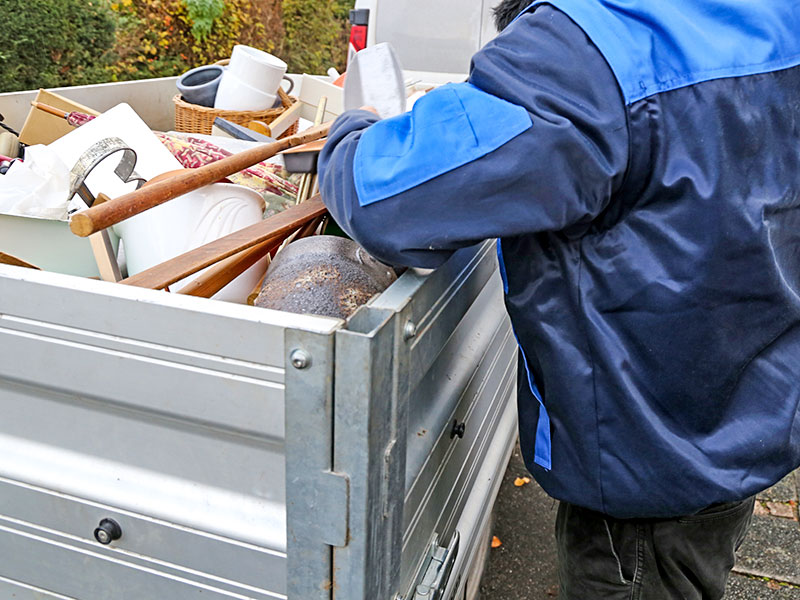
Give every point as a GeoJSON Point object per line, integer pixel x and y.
{"type": "Point", "coordinates": [496, 543]}
{"type": "Point", "coordinates": [774, 585]}
{"type": "Point", "coordinates": [779, 509]}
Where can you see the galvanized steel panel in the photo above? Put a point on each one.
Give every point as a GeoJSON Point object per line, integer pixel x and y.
{"type": "Point", "coordinates": [73, 520]}
{"type": "Point", "coordinates": [161, 411]}
{"type": "Point", "coordinates": [441, 471]}
{"type": "Point", "coordinates": [81, 572]}
{"type": "Point", "coordinates": [177, 421]}
{"type": "Point", "coordinates": [174, 321]}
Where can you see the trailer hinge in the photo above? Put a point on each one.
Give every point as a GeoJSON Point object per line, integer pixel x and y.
{"type": "Point", "coordinates": [437, 572]}
{"type": "Point", "coordinates": [329, 517]}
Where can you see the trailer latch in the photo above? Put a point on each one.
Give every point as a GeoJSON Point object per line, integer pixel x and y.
{"type": "Point", "coordinates": [437, 574]}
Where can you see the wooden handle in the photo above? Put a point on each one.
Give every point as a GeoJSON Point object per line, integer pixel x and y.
{"type": "Point", "coordinates": [49, 109]}
{"type": "Point", "coordinates": [105, 215]}
{"type": "Point", "coordinates": [225, 271]}
{"type": "Point", "coordinates": [273, 229]}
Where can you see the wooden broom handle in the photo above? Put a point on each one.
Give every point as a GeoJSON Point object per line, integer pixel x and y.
{"type": "Point", "coordinates": [111, 212]}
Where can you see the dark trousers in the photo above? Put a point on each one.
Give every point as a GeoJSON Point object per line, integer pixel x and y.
{"type": "Point", "coordinates": [687, 558]}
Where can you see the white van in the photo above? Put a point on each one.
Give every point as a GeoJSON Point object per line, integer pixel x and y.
{"type": "Point", "coordinates": [431, 36]}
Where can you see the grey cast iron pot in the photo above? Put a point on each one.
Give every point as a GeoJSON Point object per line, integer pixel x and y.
{"type": "Point", "coordinates": [323, 275]}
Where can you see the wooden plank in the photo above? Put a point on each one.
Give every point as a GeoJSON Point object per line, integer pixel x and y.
{"type": "Point", "coordinates": [273, 229]}
{"type": "Point", "coordinates": [224, 272]}
{"type": "Point", "coordinates": [7, 259]}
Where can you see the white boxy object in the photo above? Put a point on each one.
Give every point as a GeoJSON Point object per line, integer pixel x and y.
{"type": "Point", "coordinates": [438, 37]}
{"type": "Point", "coordinates": [48, 244]}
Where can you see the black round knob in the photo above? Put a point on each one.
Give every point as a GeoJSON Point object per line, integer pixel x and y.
{"type": "Point", "coordinates": [459, 429]}
{"type": "Point", "coordinates": [108, 531]}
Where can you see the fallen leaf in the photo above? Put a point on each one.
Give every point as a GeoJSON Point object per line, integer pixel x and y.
{"type": "Point", "coordinates": [778, 509]}
{"type": "Point", "coordinates": [760, 510]}
{"type": "Point", "coordinates": [774, 585]}
{"type": "Point", "coordinates": [496, 543]}
{"type": "Point", "coordinates": [520, 481]}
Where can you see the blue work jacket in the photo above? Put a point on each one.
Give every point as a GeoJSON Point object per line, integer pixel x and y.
{"type": "Point", "coordinates": [640, 163]}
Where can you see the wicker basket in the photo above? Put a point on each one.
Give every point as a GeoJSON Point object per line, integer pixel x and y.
{"type": "Point", "coordinates": [193, 118]}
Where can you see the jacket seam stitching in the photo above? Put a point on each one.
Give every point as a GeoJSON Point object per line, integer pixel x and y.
{"type": "Point", "coordinates": [594, 379]}
{"type": "Point", "coordinates": [622, 96]}
{"type": "Point", "coordinates": [661, 86]}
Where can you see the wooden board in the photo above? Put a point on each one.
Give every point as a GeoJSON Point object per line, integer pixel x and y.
{"type": "Point", "coordinates": [107, 213]}
{"type": "Point", "coordinates": [43, 128]}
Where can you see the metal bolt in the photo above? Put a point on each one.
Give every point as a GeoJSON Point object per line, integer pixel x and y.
{"type": "Point", "coordinates": [410, 331]}
{"type": "Point", "coordinates": [300, 359]}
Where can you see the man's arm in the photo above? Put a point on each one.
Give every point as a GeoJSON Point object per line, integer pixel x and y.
{"type": "Point", "coordinates": [535, 141]}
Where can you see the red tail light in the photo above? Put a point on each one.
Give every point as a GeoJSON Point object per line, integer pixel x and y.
{"type": "Point", "coordinates": [359, 21]}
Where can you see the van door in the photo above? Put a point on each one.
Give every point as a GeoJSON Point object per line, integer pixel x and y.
{"type": "Point", "coordinates": [438, 36]}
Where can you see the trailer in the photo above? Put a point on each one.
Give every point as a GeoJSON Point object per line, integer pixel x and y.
{"type": "Point", "coordinates": [154, 445]}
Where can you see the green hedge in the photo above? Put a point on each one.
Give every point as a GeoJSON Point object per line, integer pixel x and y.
{"type": "Point", "coordinates": [316, 34]}
{"type": "Point", "coordinates": [50, 43]}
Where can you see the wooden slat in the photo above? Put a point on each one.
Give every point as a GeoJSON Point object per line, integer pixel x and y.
{"type": "Point", "coordinates": [273, 228]}
{"type": "Point", "coordinates": [113, 211]}
{"type": "Point", "coordinates": [7, 259]}
{"type": "Point", "coordinates": [224, 272]}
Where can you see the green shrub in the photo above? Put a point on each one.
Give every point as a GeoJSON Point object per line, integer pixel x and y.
{"type": "Point", "coordinates": [203, 14]}
{"type": "Point", "coordinates": [316, 34]}
{"type": "Point", "coordinates": [50, 43]}
{"type": "Point", "coordinates": [159, 38]}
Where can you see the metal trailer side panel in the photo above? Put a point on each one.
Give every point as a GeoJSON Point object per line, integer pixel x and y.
{"type": "Point", "coordinates": [438, 346]}
{"type": "Point", "coordinates": [162, 412]}
{"type": "Point", "coordinates": [448, 476]}
{"type": "Point", "coordinates": [333, 495]}
{"type": "Point", "coordinates": [150, 98]}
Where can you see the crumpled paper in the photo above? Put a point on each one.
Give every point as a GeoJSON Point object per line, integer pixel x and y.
{"type": "Point", "coordinates": [35, 187]}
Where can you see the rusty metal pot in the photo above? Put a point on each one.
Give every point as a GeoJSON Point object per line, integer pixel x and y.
{"type": "Point", "coordinates": [323, 275]}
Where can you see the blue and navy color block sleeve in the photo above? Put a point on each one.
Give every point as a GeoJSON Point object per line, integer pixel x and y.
{"type": "Point", "coordinates": [535, 141]}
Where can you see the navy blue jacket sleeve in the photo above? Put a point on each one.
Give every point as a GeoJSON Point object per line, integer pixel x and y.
{"type": "Point", "coordinates": [442, 177]}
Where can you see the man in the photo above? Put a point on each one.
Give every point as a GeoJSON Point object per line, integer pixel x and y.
{"type": "Point", "coordinates": [639, 161]}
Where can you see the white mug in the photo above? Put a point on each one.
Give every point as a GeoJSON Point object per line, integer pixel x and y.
{"type": "Point", "coordinates": [257, 68]}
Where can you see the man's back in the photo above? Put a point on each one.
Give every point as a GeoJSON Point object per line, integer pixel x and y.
{"type": "Point", "coordinates": [685, 288]}
{"type": "Point", "coordinates": [649, 211]}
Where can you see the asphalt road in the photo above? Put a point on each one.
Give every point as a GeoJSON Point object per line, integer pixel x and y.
{"type": "Point", "coordinates": [524, 566]}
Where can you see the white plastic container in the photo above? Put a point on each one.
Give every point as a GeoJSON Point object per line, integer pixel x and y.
{"type": "Point", "coordinates": [49, 244]}
{"type": "Point", "coordinates": [189, 222]}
